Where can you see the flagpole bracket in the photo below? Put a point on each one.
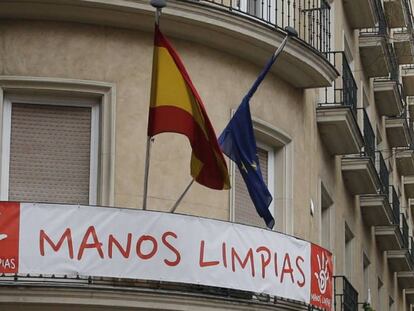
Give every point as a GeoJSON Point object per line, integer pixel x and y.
{"type": "Point", "coordinates": [291, 32]}
{"type": "Point", "coordinates": [159, 4]}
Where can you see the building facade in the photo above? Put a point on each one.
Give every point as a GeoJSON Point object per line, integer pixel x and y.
{"type": "Point", "coordinates": [332, 121]}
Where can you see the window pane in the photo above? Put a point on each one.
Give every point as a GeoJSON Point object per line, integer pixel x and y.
{"type": "Point", "coordinates": [50, 153]}
{"type": "Point", "coordinates": [245, 212]}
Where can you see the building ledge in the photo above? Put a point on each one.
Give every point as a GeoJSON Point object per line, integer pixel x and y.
{"type": "Point", "coordinates": [50, 295]}
{"type": "Point", "coordinates": [214, 26]}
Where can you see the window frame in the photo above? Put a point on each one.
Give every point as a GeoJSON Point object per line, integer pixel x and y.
{"type": "Point", "coordinates": [283, 167]}
{"type": "Point", "coordinates": [103, 92]}
{"type": "Point", "coordinates": [16, 99]}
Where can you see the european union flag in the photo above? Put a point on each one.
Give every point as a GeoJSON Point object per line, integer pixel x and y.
{"type": "Point", "coordinates": [238, 142]}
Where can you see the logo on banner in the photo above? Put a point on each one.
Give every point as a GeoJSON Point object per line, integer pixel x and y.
{"type": "Point", "coordinates": [9, 237]}
{"type": "Point", "coordinates": [321, 284]}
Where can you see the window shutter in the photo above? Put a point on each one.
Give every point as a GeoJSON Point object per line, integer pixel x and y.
{"type": "Point", "coordinates": [50, 153]}
{"type": "Point", "coordinates": [244, 210]}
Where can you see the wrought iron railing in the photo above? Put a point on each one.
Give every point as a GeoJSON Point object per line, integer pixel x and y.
{"type": "Point", "coordinates": [395, 203]}
{"type": "Point", "coordinates": [404, 230]}
{"type": "Point", "coordinates": [409, 11]}
{"type": "Point", "coordinates": [369, 138]}
{"type": "Point", "coordinates": [394, 70]}
{"type": "Point", "coordinates": [344, 90]}
{"type": "Point", "coordinates": [383, 173]}
{"type": "Point", "coordinates": [382, 26]}
{"type": "Point", "coordinates": [311, 18]}
{"type": "Point", "coordinates": [412, 250]}
{"type": "Point", "coordinates": [346, 294]}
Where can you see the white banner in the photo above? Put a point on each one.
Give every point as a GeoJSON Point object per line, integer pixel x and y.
{"type": "Point", "coordinates": [136, 244]}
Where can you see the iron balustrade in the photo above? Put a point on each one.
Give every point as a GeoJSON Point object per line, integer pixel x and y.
{"type": "Point", "coordinates": [369, 138]}
{"type": "Point", "coordinates": [346, 293]}
{"type": "Point", "coordinates": [383, 173]}
{"type": "Point", "coordinates": [395, 202]}
{"type": "Point", "coordinates": [381, 27]}
{"type": "Point", "coordinates": [310, 18]}
{"type": "Point", "coordinates": [344, 90]}
{"type": "Point", "coordinates": [412, 250]}
{"type": "Point", "coordinates": [404, 230]}
{"type": "Point", "coordinates": [394, 70]}
{"type": "Point", "coordinates": [409, 11]}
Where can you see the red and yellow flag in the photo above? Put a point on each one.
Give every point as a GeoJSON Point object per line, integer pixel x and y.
{"type": "Point", "coordinates": [177, 107]}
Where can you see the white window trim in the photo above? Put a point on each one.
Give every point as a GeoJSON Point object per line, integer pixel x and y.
{"type": "Point", "coordinates": [102, 92]}
{"type": "Point", "coordinates": [9, 100]}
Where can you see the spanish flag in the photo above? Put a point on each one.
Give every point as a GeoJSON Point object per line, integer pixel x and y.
{"type": "Point", "coordinates": [177, 107]}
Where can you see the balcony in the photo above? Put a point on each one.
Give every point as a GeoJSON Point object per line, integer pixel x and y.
{"type": "Point", "coordinates": [395, 11]}
{"type": "Point", "coordinates": [389, 236]}
{"type": "Point", "coordinates": [400, 260]}
{"type": "Point", "coordinates": [364, 17]}
{"type": "Point", "coordinates": [403, 46]}
{"type": "Point", "coordinates": [407, 75]}
{"type": "Point", "coordinates": [336, 113]}
{"type": "Point", "coordinates": [405, 161]}
{"type": "Point", "coordinates": [388, 91]}
{"type": "Point", "coordinates": [409, 296]}
{"type": "Point", "coordinates": [408, 182]}
{"type": "Point", "coordinates": [398, 131]}
{"type": "Point", "coordinates": [373, 46]}
{"type": "Point", "coordinates": [234, 27]}
{"type": "Point", "coordinates": [345, 295]}
{"type": "Point", "coordinates": [406, 280]}
{"type": "Point", "coordinates": [375, 208]}
{"type": "Point", "coordinates": [358, 170]}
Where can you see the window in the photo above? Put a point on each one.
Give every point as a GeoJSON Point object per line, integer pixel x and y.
{"type": "Point", "coordinates": [91, 103]}
{"type": "Point", "coordinates": [349, 236]}
{"type": "Point", "coordinates": [326, 203]}
{"type": "Point", "coordinates": [366, 267]}
{"type": "Point", "coordinates": [50, 149]}
{"type": "Point", "coordinates": [390, 304]}
{"type": "Point", "coordinates": [245, 212]}
{"type": "Point", "coordinates": [380, 294]}
{"type": "Point", "coordinates": [276, 162]}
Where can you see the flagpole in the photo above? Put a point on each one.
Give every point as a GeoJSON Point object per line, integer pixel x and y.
{"type": "Point", "coordinates": [172, 210]}
{"type": "Point", "coordinates": [290, 32]}
{"type": "Point", "coordinates": [158, 5]}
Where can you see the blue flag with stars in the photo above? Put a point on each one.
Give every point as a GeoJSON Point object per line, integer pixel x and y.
{"type": "Point", "coordinates": [237, 141]}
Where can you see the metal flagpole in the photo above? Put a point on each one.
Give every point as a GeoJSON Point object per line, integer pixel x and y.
{"type": "Point", "coordinates": [158, 5]}
{"type": "Point", "coordinates": [290, 32]}
{"type": "Point", "coordinates": [172, 210]}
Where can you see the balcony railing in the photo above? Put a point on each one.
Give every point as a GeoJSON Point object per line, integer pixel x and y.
{"type": "Point", "coordinates": [412, 249]}
{"type": "Point", "coordinates": [346, 294]}
{"type": "Point", "coordinates": [383, 173]}
{"type": "Point", "coordinates": [395, 203]}
{"type": "Point", "coordinates": [310, 18]}
{"type": "Point", "coordinates": [369, 138]}
{"type": "Point", "coordinates": [404, 230]}
{"type": "Point", "coordinates": [344, 90]}
{"type": "Point", "coordinates": [382, 26]}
